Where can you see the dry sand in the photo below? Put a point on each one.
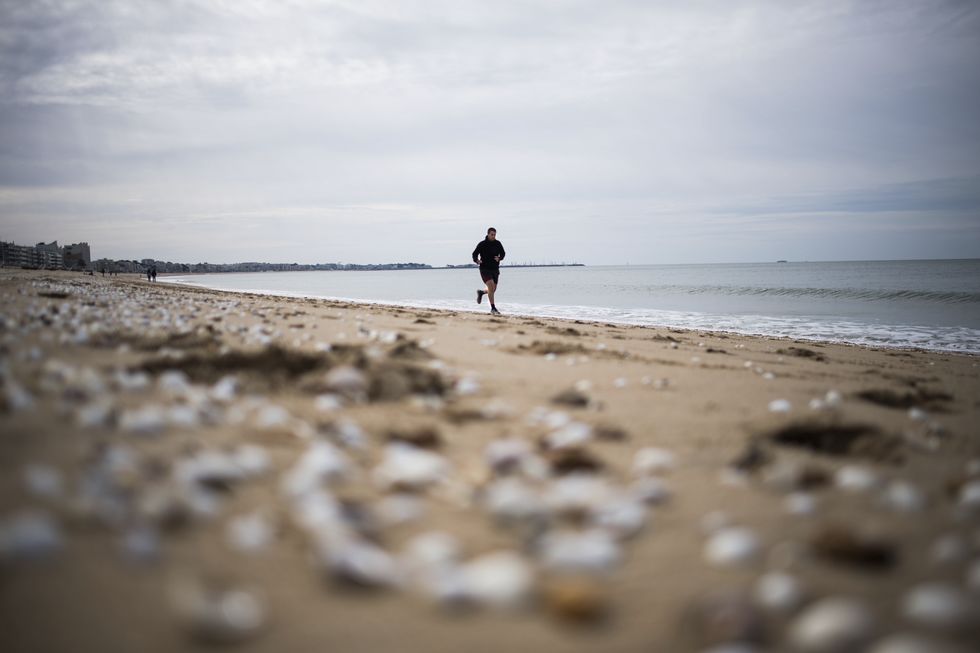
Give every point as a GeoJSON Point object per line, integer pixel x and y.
{"type": "Point", "coordinates": [124, 466]}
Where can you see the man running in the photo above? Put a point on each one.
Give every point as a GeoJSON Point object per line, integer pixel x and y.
{"type": "Point", "coordinates": [488, 254]}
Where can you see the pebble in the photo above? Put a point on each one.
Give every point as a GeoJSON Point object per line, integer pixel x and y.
{"type": "Point", "coordinates": [778, 592]}
{"type": "Point", "coordinates": [832, 625]}
{"type": "Point", "coordinates": [591, 550]}
{"type": "Point", "coordinates": [624, 516]}
{"type": "Point", "coordinates": [938, 605]}
{"type": "Point", "coordinates": [505, 455]}
{"type": "Point", "coordinates": [652, 460]}
{"type": "Point", "coordinates": [651, 490]}
{"type": "Point", "coordinates": [513, 500]}
{"type": "Point", "coordinates": [217, 614]}
{"type": "Point", "coordinates": [576, 495]}
{"type": "Point", "coordinates": [732, 546]}
{"type": "Point", "coordinates": [571, 435]}
{"type": "Point", "coordinates": [357, 561]}
{"type": "Point", "coordinates": [576, 598]}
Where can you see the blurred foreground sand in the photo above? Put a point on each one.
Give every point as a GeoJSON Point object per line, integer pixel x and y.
{"type": "Point", "coordinates": [182, 467]}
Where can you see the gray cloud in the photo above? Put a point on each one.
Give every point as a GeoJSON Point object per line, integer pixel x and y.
{"type": "Point", "coordinates": [592, 131]}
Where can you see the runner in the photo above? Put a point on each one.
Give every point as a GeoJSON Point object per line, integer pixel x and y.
{"type": "Point", "coordinates": [488, 254]}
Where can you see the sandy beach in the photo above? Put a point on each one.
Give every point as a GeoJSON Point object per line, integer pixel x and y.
{"type": "Point", "coordinates": [184, 468]}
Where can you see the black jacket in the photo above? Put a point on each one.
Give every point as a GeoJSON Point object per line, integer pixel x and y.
{"type": "Point", "coordinates": [485, 250]}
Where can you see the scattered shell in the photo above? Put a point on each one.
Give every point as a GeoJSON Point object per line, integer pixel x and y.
{"type": "Point", "coordinates": [410, 468]}
{"type": "Point", "coordinates": [513, 500]}
{"type": "Point", "coordinates": [43, 481]}
{"type": "Point", "coordinates": [579, 551]}
{"type": "Point", "coordinates": [358, 562]}
{"type": "Point", "coordinates": [502, 579]}
{"type": "Point", "coordinates": [832, 625]}
{"type": "Point", "coordinates": [328, 403]}
{"type": "Point", "coordinates": [938, 605]}
{"type": "Point", "coordinates": [29, 535]}
{"type": "Point", "coordinates": [780, 406]}
{"type": "Point", "coordinates": [732, 546]}
{"type": "Point", "coordinates": [148, 420]}
{"type": "Point", "coordinates": [250, 533]}
{"type": "Point", "coordinates": [571, 435]}
{"type": "Point", "coordinates": [503, 456]}
{"type": "Point", "coordinates": [251, 459]}
{"type": "Point", "coordinates": [577, 495]}
{"type": "Point", "coordinates": [624, 516]}
{"type": "Point", "coordinates": [902, 496]}
{"type": "Point", "coordinates": [970, 495]}
{"type": "Point", "coordinates": [778, 592]}
{"type": "Point", "coordinates": [396, 509]}
{"type": "Point", "coordinates": [140, 544]}
{"type": "Point", "coordinates": [652, 460]}
{"type": "Point", "coordinates": [909, 643]}
{"type": "Point", "coordinates": [322, 462]}
{"type": "Point", "coordinates": [217, 613]}
{"type": "Point", "coordinates": [800, 503]}
{"type": "Point", "coordinates": [651, 490]}
{"type": "Point", "coordinates": [854, 478]}
{"type": "Point", "coordinates": [348, 382]}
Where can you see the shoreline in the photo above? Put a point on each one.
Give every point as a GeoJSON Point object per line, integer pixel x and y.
{"type": "Point", "coordinates": [566, 318]}
{"type": "Point", "coordinates": [568, 486]}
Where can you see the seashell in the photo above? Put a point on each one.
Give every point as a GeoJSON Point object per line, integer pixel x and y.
{"type": "Point", "coordinates": [732, 546]}
{"type": "Point", "coordinates": [780, 406]}
{"type": "Point", "coordinates": [140, 544]}
{"type": "Point", "coordinates": [832, 624]}
{"type": "Point", "coordinates": [467, 386]}
{"type": "Point", "coordinates": [652, 460]}
{"type": "Point", "coordinates": [948, 549]}
{"type": "Point", "coordinates": [406, 467]}
{"type": "Point", "coordinates": [800, 503]}
{"type": "Point", "coordinates": [16, 398]}
{"type": "Point", "coordinates": [225, 390]}
{"type": "Point", "coordinates": [833, 398]}
{"type": "Point", "coordinates": [725, 618]}
{"type": "Point", "coordinates": [624, 516]}
{"type": "Point", "coordinates": [183, 417]}
{"type": "Point", "coordinates": [854, 478]}
{"type": "Point", "coordinates": [505, 455]}
{"type": "Point", "coordinates": [210, 469]}
{"type": "Point", "coordinates": [131, 382]}
{"type": "Point", "coordinates": [217, 613]}
{"type": "Point", "coordinates": [431, 550]}
{"type": "Point", "coordinates": [250, 533]}
{"type": "Point", "coordinates": [571, 435]}
{"type": "Point", "coordinates": [357, 562]}
{"type": "Point", "coordinates": [251, 459]}
{"type": "Point", "coordinates": [592, 550]}
{"type": "Point", "coordinates": [396, 509]}
{"type": "Point", "coordinates": [909, 643]}
{"type": "Point", "coordinates": [502, 579]}
{"type": "Point", "coordinates": [98, 414]}
{"type": "Point", "coordinates": [970, 495]}
{"type": "Point", "coordinates": [778, 592]}
{"type": "Point", "coordinates": [513, 500]}
{"type": "Point", "coordinates": [321, 462]}
{"type": "Point", "coordinates": [348, 382]}
{"type": "Point", "coordinates": [938, 605]}
{"type": "Point", "coordinates": [902, 496]}
{"type": "Point", "coordinates": [43, 481]}
{"type": "Point", "coordinates": [148, 420]}
{"type": "Point", "coordinates": [174, 383]}
{"type": "Point", "coordinates": [650, 489]}
{"type": "Point", "coordinates": [576, 598]}
{"type": "Point", "coordinates": [576, 494]}
{"type": "Point", "coordinates": [328, 403]}
{"type": "Point", "coordinates": [271, 417]}
{"type": "Point", "coordinates": [29, 535]}
{"type": "Point", "coordinates": [349, 434]}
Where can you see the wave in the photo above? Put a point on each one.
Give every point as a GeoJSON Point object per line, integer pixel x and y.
{"type": "Point", "coordinates": [861, 294]}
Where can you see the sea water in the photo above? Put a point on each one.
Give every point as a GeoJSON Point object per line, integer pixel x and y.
{"type": "Point", "coordinates": [926, 304]}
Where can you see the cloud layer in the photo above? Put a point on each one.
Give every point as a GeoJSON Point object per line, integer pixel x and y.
{"type": "Point", "coordinates": [391, 131]}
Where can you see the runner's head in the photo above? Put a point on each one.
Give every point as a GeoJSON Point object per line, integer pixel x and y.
{"type": "Point", "coordinates": [492, 233]}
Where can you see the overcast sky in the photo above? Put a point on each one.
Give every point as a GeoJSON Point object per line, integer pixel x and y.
{"type": "Point", "coordinates": [599, 132]}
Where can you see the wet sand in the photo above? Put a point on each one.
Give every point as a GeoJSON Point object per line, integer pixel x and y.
{"type": "Point", "coordinates": [183, 468]}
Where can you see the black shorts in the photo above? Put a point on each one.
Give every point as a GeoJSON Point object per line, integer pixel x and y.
{"type": "Point", "coordinates": [489, 275]}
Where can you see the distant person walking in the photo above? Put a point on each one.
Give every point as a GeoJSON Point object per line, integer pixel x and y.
{"type": "Point", "coordinates": [488, 254]}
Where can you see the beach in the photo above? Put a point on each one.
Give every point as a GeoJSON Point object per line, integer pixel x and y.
{"type": "Point", "coordinates": [183, 468]}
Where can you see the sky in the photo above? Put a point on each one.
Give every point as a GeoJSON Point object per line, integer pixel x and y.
{"type": "Point", "coordinates": [368, 131]}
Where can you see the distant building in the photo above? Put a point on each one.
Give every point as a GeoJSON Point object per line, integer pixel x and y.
{"type": "Point", "coordinates": [77, 255]}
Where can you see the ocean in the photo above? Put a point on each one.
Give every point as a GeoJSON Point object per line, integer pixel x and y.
{"type": "Point", "coordinates": [931, 305]}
